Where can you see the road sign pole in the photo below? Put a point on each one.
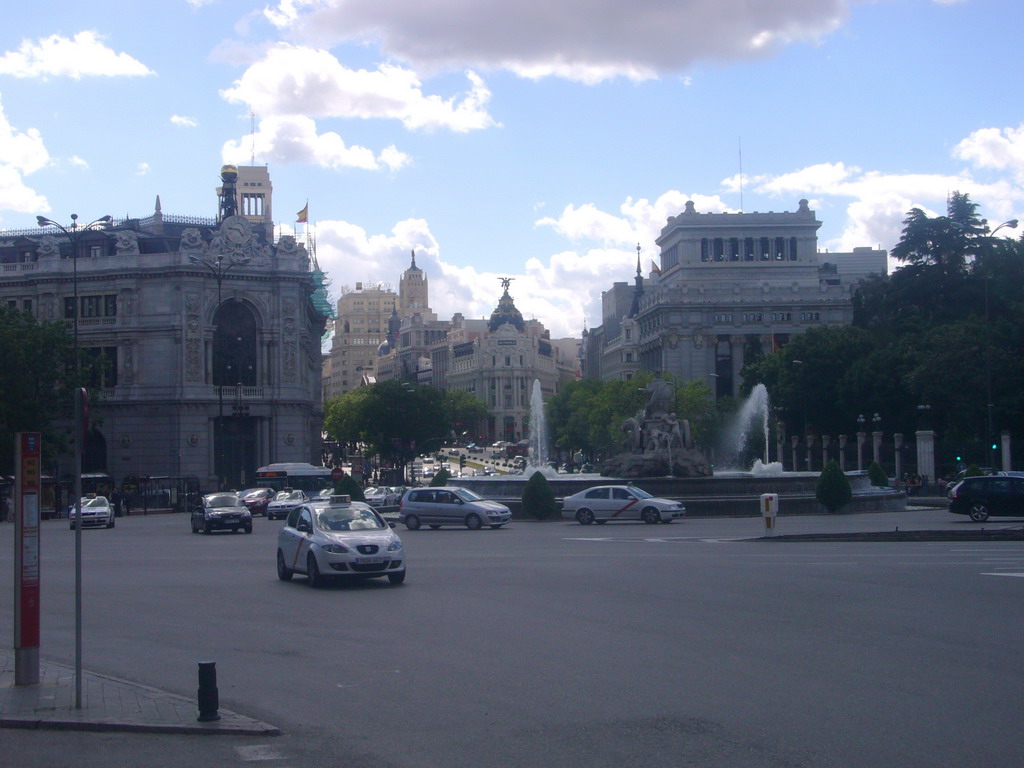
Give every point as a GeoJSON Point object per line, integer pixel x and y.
{"type": "Point", "coordinates": [26, 557]}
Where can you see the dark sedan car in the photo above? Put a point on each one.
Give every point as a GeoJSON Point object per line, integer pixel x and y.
{"type": "Point", "coordinates": [221, 512]}
{"type": "Point", "coordinates": [988, 496]}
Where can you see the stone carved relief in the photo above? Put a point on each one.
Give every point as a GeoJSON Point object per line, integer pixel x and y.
{"type": "Point", "coordinates": [127, 363]}
{"type": "Point", "coordinates": [192, 240]}
{"type": "Point", "coordinates": [48, 247]}
{"type": "Point", "coordinates": [193, 347]}
{"type": "Point", "coordinates": [126, 243]}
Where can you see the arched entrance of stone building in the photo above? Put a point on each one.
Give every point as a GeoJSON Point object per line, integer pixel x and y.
{"type": "Point", "coordinates": [94, 452]}
{"type": "Point", "coordinates": [235, 374]}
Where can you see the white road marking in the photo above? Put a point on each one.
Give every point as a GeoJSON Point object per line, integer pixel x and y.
{"type": "Point", "coordinates": [254, 752]}
{"type": "Point", "coordinates": [1018, 575]}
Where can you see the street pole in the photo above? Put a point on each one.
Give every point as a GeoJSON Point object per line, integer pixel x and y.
{"type": "Point", "coordinates": [73, 236]}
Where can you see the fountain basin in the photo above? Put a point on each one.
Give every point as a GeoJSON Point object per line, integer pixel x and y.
{"type": "Point", "coordinates": [730, 494]}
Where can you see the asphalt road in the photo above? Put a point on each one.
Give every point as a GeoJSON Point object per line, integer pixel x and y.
{"type": "Point", "coordinates": [552, 644]}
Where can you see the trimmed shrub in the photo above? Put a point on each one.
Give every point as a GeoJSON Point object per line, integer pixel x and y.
{"type": "Point", "coordinates": [539, 498]}
{"type": "Point", "coordinates": [349, 487]}
{"type": "Point", "coordinates": [877, 476]}
{"type": "Point", "coordinates": [833, 488]}
{"type": "Point", "coordinates": [440, 477]}
{"type": "Point", "coordinates": [973, 471]}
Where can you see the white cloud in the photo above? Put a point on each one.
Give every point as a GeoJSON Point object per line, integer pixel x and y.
{"type": "Point", "coordinates": [142, 169]}
{"type": "Point", "coordinates": [291, 80]}
{"type": "Point", "coordinates": [79, 162]}
{"type": "Point", "coordinates": [295, 140]}
{"type": "Point", "coordinates": [584, 40]}
{"type": "Point", "coordinates": [21, 154]}
{"type": "Point", "coordinates": [84, 55]}
{"type": "Point", "coordinates": [184, 122]}
{"type": "Point", "coordinates": [1001, 149]}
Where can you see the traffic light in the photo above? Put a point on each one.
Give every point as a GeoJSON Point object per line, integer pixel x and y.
{"type": "Point", "coordinates": [462, 462]}
{"type": "Point", "coordinates": [994, 446]}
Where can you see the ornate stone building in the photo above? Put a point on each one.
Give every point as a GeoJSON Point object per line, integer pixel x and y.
{"type": "Point", "coordinates": [363, 317]}
{"type": "Point", "coordinates": [728, 285]}
{"type": "Point", "coordinates": [208, 331]}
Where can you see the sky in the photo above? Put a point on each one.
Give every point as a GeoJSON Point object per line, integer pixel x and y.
{"type": "Point", "coordinates": [538, 140]}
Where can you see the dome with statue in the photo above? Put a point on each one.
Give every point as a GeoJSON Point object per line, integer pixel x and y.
{"type": "Point", "coordinates": [506, 311]}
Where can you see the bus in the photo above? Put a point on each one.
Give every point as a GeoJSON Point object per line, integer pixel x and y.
{"type": "Point", "coordinates": [302, 477]}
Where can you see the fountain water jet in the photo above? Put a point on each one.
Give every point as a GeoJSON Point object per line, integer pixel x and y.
{"type": "Point", "coordinates": [537, 460]}
{"type": "Point", "coordinates": [753, 413]}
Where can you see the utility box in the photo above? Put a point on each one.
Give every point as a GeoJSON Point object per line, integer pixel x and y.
{"type": "Point", "coordinates": [770, 512]}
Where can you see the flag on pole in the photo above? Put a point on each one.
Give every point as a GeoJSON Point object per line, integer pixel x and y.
{"type": "Point", "coordinates": [303, 215]}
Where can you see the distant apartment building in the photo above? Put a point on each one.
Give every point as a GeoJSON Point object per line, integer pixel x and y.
{"type": "Point", "coordinates": [360, 328]}
{"type": "Point", "coordinates": [727, 286]}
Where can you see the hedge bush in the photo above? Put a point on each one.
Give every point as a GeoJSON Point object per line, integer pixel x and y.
{"type": "Point", "coordinates": [877, 476]}
{"type": "Point", "coordinates": [833, 488]}
{"type": "Point", "coordinates": [539, 498]}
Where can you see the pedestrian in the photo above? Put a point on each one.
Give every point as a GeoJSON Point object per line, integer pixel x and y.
{"type": "Point", "coordinates": [127, 504]}
{"type": "Point", "coordinates": [115, 502]}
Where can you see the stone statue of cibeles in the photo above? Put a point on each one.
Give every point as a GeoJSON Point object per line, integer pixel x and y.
{"type": "Point", "coordinates": [657, 442]}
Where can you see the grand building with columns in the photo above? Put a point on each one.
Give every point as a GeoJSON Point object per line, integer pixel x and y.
{"type": "Point", "coordinates": [208, 330]}
{"type": "Point", "coordinates": [727, 286]}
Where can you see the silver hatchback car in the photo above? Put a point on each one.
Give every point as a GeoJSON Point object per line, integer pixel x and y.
{"type": "Point", "coordinates": [450, 506]}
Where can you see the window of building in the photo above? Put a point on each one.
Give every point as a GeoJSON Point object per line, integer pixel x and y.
{"type": "Point", "coordinates": [780, 248]}
{"type": "Point", "coordinates": [792, 249]}
{"type": "Point", "coordinates": [719, 249]}
{"type": "Point", "coordinates": [629, 357]}
{"type": "Point", "coordinates": [95, 251]}
{"type": "Point", "coordinates": [705, 250]}
{"type": "Point", "coordinates": [748, 249]}
{"type": "Point", "coordinates": [734, 249]}
{"type": "Point", "coordinates": [766, 249]}
{"type": "Point", "coordinates": [810, 316]}
{"type": "Point", "coordinates": [508, 360]}
{"type": "Point", "coordinates": [90, 306]}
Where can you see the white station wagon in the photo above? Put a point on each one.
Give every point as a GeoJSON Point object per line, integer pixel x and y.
{"type": "Point", "coordinates": [619, 502]}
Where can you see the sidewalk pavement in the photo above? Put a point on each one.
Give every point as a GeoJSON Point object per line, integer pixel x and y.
{"type": "Point", "coordinates": [108, 704]}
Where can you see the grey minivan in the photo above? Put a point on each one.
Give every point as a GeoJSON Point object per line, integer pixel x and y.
{"type": "Point", "coordinates": [450, 506]}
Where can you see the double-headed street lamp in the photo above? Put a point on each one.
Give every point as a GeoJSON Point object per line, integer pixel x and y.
{"type": "Point", "coordinates": [219, 268]}
{"type": "Point", "coordinates": [1012, 224]}
{"type": "Point", "coordinates": [73, 235]}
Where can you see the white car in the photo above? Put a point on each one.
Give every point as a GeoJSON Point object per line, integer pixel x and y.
{"type": "Point", "coordinates": [619, 502]}
{"type": "Point", "coordinates": [339, 538]}
{"type": "Point", "coordinates": [285, 502]}
{"type": "Point", "coordinates": [378, 497]}
{"type": "Point", "coordinates": [96, 512]}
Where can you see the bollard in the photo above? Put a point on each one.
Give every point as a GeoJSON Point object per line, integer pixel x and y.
{"type": "Point", "coordinates": [770, 511]}
{"type": "Point", "coordinates": [209, 701]}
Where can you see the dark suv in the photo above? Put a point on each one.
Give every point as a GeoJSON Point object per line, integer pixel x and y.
{"type": "Point", "coordinates": [988, 496]}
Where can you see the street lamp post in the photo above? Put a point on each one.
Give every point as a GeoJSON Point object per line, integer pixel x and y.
{"type": "Point", "coordinates": [990, 436]}
{"type": "Point", "coordinates": [219, 269]}
{"type": "Point", "coordinates": [73, 235]}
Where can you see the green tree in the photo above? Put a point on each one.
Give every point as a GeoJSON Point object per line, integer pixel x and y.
{"type": "Point", "coordinates": [464, 411]}
{"type": "Point", "coordinates": [441, 477]}
{"type": "Point", "coordinates": [348, 486]}
{"type": "Point", "coordinates": [539, 498]}
{"type": "Point", "coordinates": [833, 488]}
{"type": "Point", "coordinates": [393, 419]}
{"type": "Point", "coordinates": [35, 381]}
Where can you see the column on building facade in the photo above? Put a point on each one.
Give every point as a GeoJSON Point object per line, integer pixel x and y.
{"type": "Point", "coordinates": [1004, 440]}
{"type": "Point", "coordinates": [861, 439]}
{"type": "Point", "coordinates": [826, 440]}
{"type": "Point", "coordinates": [876, 447]}
{"type": "Point", "coordinates": [897, 440]}
{"type": "Point", "coordinates": [926, 455]}
{"type": "Point", "coordinates": [842, 452]}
